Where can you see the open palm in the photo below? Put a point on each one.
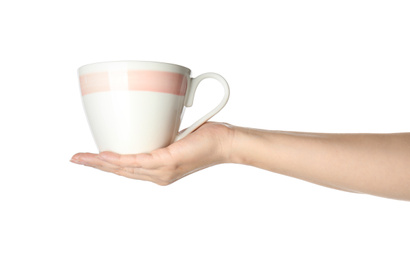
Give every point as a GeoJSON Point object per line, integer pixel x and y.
{"type": "Point", "coordinates": [203, 148]}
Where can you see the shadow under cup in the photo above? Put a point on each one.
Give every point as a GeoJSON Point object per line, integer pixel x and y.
{"type": "Point", "coordinates": [137, 107]}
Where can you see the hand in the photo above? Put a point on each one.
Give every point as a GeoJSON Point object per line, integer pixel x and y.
{"type": "Point", "coordinates": [208, 145]}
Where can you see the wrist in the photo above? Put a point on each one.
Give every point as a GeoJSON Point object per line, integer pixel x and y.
{"type": "Point", "coordinates": [239, 145]}
{"type": "Point", "coordinates": [248, 145]}
{"type": "Point", "coordinates": [220, 138]}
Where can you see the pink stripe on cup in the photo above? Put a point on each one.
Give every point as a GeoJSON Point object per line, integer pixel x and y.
{"type": "Point", "coordinates": [134, 80]}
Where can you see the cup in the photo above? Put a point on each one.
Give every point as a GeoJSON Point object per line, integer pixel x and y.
{"type": "Point", "coordinates": [137, 106]}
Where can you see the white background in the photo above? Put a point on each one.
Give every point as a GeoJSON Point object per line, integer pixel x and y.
{"type": "Point", "coordinates": [321, 66]}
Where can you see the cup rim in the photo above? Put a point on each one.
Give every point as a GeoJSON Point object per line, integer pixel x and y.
{"type": "Point", "coordinates": [123, 64]}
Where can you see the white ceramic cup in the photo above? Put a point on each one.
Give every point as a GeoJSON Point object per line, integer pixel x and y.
{"type": "Point", "coordinates": [137, 106]}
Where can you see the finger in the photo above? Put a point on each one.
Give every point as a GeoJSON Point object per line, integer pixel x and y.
{"type": "Point", "coordinates": [93, 160]}
{"type": "Point", "coordinates": [144, 160]}
{"type": "Point", "coordinates": [138, 173]}
{"type": "Point", "coordinates": [83, 158]}
{"type": "Point", "coordinates": [125, 172]}
{"type": "Point", "coordinates": [90, 159]}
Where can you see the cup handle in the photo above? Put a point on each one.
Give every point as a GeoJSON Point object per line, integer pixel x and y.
{"type": "Point", "coordinates": [190, 99]}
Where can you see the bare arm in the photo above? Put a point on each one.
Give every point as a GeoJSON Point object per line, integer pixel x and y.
{"type": "Point", "coordinates": [377, 164]}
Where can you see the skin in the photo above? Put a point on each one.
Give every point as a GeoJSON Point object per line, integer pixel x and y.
{"type": "Point", "coordinates": [376, 164]}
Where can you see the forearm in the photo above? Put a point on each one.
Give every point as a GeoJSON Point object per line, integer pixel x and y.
{"type": "Point", "coordinates": [377, 164]}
